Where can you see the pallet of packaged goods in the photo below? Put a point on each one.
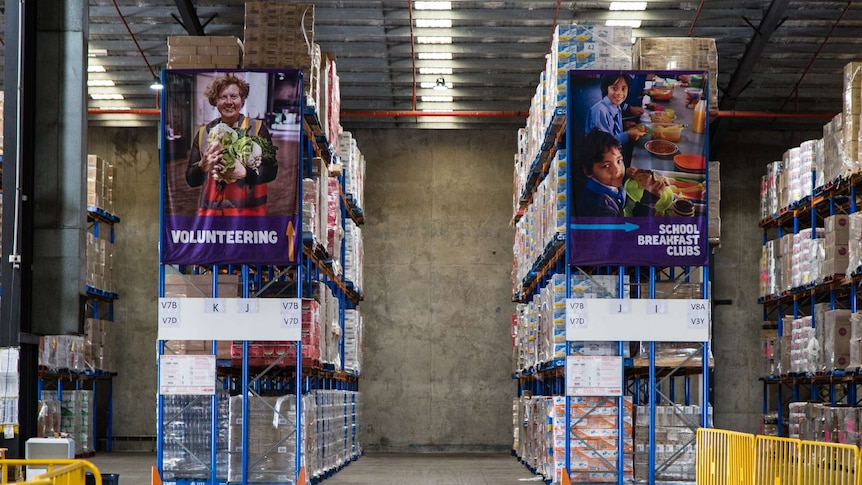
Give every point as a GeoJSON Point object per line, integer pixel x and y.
{"type": "Point", "coordinates": [281, 35]}
{"type": "Point", "coordinates": [678, 53]}
{"type": "Point", "coordinates": [204, 52]}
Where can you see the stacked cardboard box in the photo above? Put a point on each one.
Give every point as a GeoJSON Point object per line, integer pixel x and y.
{"type": "Point", "coordinates": [852, 114]}
{"type": "Point", "coordinates": [855, 341]}
{"type": "Point", "coordinates": [805, 350]}
{"type": "Point", "coordinates": [202, 52]}
{"type": "Point", "coordinates": [836, 330]}
{"type": "Point", "coordinates": [200, 285]}
{"type": "Point", "coordinates": [837, 252]}
{"type": "Point", "coordinates": [594, 432]}
{"type": "Point", "coordinates": [583, 47]}
{"type": "Point", "coordinates": [679, 53]}
{"type": "Point", "coordinates": [354, 254]}
{"type": "Point", "coordinates": [278, 35]}
{"type": "Point", "coordinates": [714, 203]}
{"type": "Point", "coordinates": [854, 243]}
{"type": "Point", "coordinates": [100, 263]}
{"type": "Point", "coordinates": [330, 115]}
{"type": "Point", "coordinates": [99, 342]}
{"type": "Point", "coordinates": [352, 341]}
{"type": "Point", "coordinates": [675, 440]}
{"type": "Point", "coordinates": [100, 184]}
{"type": "Point", "coordinates": [334, 231]}
{"type": "Point", "coordinates": [353, 162]}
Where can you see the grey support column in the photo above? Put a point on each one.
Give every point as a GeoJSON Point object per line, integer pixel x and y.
{"type": "Point", "coordinates": [60, 153]}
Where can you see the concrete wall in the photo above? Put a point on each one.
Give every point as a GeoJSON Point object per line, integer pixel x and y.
{"type": "Point", "coordinates": [134, 153]}
{"type": "Point", "coordinates": [438, 358]}
{"type": "Point", "coordinates": [437, 311]}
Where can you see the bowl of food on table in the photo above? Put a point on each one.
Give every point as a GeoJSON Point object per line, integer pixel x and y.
{"type": "Point", "coordinates": [667, 131]}
{"type": "Point", "coordinates": [661, 148]}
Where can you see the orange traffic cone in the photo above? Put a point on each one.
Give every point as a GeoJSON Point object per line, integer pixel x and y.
{"type": "Point", "coordinates": [301, 480]}
{"type": "Point", "coordinates": [156, 479]}
{"type": "Point", "coordinates": [565, 480]}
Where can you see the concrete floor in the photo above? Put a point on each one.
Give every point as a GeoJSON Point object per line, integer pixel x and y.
{"type": "Point", "coordinates": [376, 469]}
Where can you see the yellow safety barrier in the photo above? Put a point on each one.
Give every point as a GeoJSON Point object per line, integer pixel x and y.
{"type": "Point", "coordinates": [827, 464]}
{"type": "Point", "coordinates": [724, 457]}
{"type": "Point", "coordinates": [776, 460]}
{"type": "Point", "coordinates": [60, 472]}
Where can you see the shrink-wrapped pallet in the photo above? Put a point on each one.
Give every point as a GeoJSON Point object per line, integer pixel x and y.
{"type": "Point", "coordinates": [271, 446]}
{"type": "Point", "coordinates": [679, 53]}
{"type": "Point", "coordinates": [204, 52]}
{"type": "Point", "coordinates": [836, 340]}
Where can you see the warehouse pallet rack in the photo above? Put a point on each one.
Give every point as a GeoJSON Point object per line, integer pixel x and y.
{"type": "Point", "coordinates": [839, 290]}
{"type": "Point", "coordinates": [100, 381]}
{"type": "Point", "coordinates": [279, 377]}
{"type": "Point", "coordinates": [647, 380]}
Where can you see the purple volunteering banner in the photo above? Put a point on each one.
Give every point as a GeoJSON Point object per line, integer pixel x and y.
{"type": "Point", "coordinates": [225, 240]}
{"type": "Point", "coordinates": [638, 241]}
{"type": "Point", "coordinates": [230, 155]}
{"type": "Point", "coordinates": [637, 161]}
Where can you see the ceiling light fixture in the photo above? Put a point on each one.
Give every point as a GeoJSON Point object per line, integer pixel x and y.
{"type": "Point", "coordinates": [95, 68]}
{"type": "Point", "coordinates": [97, 52]}
{"type": "Point", "coordinates": [628, 6]}
{"type": "Point", "coordinates": [623, 23]}
{"type": "Point", "coordinates": [157, 85]}
{"type": "Point", "coordinates": [100, 83]}
{"type": "Point", "coordinates": [435, 56]}
{"type": "Point", "coordinates": [434, 39]}
{"type": "Point", "coordinates": [434, 23]}
{"type": "Point", "coordinates": [437, 99]}
{"type": "Point", "coordinates": [432, 5]}
{"type": "Point", "coordinates": [106, 96]}
{"type": "Point", "coordinates": [435, 70]}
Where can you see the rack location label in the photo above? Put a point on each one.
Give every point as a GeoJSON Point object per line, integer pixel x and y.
{"type": "Point", "coordinates": [230, 319]}
{"type": "Point", "coordinates": [657, 320]}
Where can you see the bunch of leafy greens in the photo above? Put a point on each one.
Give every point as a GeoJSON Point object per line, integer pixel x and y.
{"type": "Point", "coordinates": [240, 147]}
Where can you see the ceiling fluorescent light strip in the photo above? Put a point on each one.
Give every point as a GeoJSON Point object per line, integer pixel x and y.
{"type": "Point", "coordinates": [435, 70]}
{"type": "Point", "coordinates": [628, 6]}
{"type": "Point", "coordinates": [434, 23]}
{"type": "Point", "coordinates": [95, 68]}
{"type": "Point", "coordinates": [100, 82]}
{"type": "Point", "coordinates": [434, 39]}
{"type": "Point", "coordinates": [623, 23]}
{"type": "Point", "coordinates": [432, 5]}
{"type": "Point", "coordinates": [106, 96]}
{"type": "Point", "coordinates": [437, 99]}
{"type": "Point", "coordinates": [434, 56]}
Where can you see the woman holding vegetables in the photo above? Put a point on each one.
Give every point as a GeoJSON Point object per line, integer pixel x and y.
{"type": "Point", "coordinates": [232, 156]}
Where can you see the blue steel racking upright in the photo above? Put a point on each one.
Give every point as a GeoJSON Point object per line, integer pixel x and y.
{"type": "Point", "coordinates": [781, 385]}
{"type": "Point", "coordinates": [549, 378]}
{"type": "Point", "coordinates": [312, 266]}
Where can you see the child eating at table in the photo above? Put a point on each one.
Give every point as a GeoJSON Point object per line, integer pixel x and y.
{"type": "Point", "coordinates": [603, 191]}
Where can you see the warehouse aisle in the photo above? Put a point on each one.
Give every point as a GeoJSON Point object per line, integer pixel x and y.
{"type": "Point", "coordinates": [375, 469]}
{"type": "Point", "coordinates": [434, 469]}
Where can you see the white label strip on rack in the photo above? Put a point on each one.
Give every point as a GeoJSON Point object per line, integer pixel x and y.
{"type": "Point", "coordinates": [592, 319]}
{"type": "Point", "coordinates": [230, 319]}
{"type": "Point", "coordinates": [187, 374]}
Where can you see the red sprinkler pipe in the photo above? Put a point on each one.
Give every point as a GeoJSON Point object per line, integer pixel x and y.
{"type": "Point", "coordinates": [416, 113]}
{"type": "Point", "coordinates": [110, 111]}
{"type": "Point", "coordinates": [767, 114]}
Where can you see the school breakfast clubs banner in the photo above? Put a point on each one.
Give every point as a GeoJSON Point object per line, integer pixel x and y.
{"type": "Point", "coordinates": [230, 160]}
{"type": "Point", "coordinates": [637, 160]}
